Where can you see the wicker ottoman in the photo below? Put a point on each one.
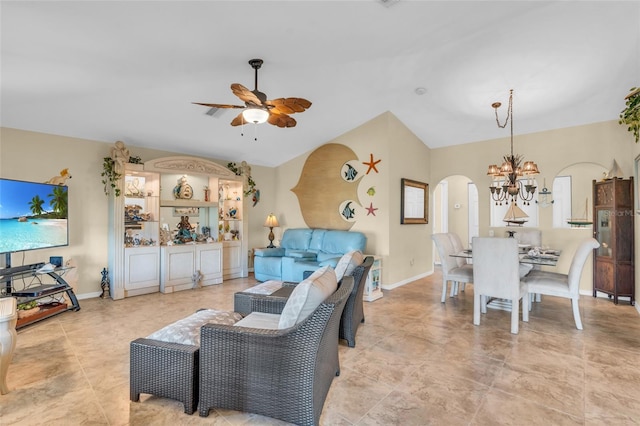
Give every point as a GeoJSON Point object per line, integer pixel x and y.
{"type": "Point", "coordinates": [166, 363]}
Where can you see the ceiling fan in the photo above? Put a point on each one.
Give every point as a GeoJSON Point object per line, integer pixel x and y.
{"type": "Point", "coordinates": [257, 109]}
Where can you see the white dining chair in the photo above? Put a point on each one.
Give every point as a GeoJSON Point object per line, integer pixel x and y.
{"type": "Point", "coordinates": [563, 285]}
{"type": "Point", "coordinates": [456, 242]}
{"type": "Point", "coordinates": [496, 274]}
{"type": "Point", "coordinates": [532, 237]}
{"type": "Point", "coordinates": [450, 269]}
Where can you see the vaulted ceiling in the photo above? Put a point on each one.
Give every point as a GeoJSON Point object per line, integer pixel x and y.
{"type": "Point", "coordinates": [116, 70]}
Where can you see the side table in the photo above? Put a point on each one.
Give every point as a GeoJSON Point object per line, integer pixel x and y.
{"type": "Point", "coordinates": [372, 290]}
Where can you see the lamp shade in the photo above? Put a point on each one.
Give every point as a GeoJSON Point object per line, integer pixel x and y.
{"type": "Point", "coordinates": [255, 115]}
{"type": "Point", "coordinates": [271, 222]}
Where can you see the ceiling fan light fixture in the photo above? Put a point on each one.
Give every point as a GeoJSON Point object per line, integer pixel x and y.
{"type": "Point", "coordinates": [255, 115]}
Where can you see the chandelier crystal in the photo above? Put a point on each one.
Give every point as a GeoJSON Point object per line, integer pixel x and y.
{"type": "Point", "coordinates": [507, 180]}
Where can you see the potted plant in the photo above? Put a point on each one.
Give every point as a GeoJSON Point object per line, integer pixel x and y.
{"type": "Point", "coordinates": [630, 116]}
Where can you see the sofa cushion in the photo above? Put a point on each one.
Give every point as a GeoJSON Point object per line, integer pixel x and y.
{"type": "Point", "coordinates": [348, 263]}
{"type": "Point", "coordinates": [323, 257]}
{"type": "Point", "coordinates": [269, 252]}
{"type": "Point", "coordinates": [307, 296]}
{"type": "Point", "coordinates": [267, 287]}
{"type": "Point", "coordinates": [340, 242]}
{"type": "Point", "coordinates": [187, 330]}
{"type": "Point", "coordinates": [259, 320]}
{"type": "Point", "coordinates": [301, 254]}
{"type": "Point", "coordinates": [296, 239]}
{"type": "Point", "coordinates": [330, 261]}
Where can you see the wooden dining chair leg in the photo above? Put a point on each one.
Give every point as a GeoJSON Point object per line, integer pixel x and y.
{"type": "Point", "coordinates": [444, 290]}
{"type": "Point", "coordinates": [476, 308]}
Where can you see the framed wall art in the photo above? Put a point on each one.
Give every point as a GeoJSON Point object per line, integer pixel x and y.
{"type": "Point", "coordinates": [414, 202]}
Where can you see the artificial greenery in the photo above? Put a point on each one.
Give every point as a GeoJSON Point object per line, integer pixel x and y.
{"type": "Point", "coordinates": [630, 116]}
{"type": "Point", "coordinates": [27, 305]}
{"type": "Point", "coordinates": [251, 184]}
{"type": "Point", "coordinates": [110, 177]}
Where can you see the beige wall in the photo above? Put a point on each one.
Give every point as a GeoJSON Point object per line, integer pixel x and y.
{"type": "Point", "coordinates": [406, 249]}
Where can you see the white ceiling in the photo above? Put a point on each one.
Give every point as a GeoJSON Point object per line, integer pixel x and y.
{"type": "Point", "coordinates": [129, 71]}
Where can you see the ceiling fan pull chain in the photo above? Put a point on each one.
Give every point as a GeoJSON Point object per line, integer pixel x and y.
{"type": "Point", "coordinates": [255, 128]}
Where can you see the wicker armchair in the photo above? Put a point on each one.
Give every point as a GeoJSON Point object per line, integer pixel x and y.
{"type": "Point", "coordinates": [353, 313]}
{"type": "Point", "coordinates": [284, 374]}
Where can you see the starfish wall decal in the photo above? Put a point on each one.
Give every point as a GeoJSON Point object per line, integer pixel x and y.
{"type": "Point", "coordinates": [371, 164]}
{"type": "Point", "coordinates": [371, 209]}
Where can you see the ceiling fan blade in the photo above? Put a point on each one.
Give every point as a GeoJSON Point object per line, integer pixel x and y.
{"type": "Point", "coordinates": [245, 94]}
{"type": "Point", "coordinates": [289, 105]}
{"type": "Point", "coordinates": [218, 105]}
{"type": "Point", "coordinates": [238, 120]}
{"type": "Point", "coordinates": [281, 120]}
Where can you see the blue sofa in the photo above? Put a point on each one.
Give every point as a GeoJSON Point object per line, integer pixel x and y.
{"type": "Point", "coordinates": [303, 250]}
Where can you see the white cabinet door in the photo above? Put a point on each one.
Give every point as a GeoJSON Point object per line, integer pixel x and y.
{"type": "Point", "coordinates": [209, 262]}
{"type": "Point", "coordinates": [178, 263]}
{"type": "Point", "coordinates": [232, 259]}
{"type": "Point", "coordinates": [141, 269]}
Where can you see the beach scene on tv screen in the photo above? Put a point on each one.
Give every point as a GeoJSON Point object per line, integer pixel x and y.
{"type": "Point", "coordinates": [32, 215]}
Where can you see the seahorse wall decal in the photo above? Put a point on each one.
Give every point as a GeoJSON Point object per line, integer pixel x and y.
{"type": "Point", "coordinates": [327, 185]}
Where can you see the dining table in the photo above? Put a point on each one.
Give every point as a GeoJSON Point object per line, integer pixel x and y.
{"type": "Point", "coordinates": [528, 256]}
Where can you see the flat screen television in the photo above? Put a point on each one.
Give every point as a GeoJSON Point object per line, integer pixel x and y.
{"type": "Point", "coordinates": [33, 216]}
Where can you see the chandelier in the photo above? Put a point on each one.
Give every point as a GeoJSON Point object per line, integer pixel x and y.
{"type": "Point", "coordinates": [507, 184]}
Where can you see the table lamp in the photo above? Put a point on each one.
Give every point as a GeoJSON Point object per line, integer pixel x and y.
{"type": "Point", "coordinates": [271, 222]}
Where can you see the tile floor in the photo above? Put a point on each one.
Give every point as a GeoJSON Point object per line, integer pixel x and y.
{"type": "Point", "coordinates": [416, 362]}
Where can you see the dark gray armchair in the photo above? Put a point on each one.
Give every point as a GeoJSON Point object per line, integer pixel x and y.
{"type": "Point", "coordinates": [284, 374]}
{"type": "Point", "coordinates": [353, 314]}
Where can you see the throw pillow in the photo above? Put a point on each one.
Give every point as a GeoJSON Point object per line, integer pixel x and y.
{"type": "Point", "coordinates": [307, 296]}
{"type": "Point", "coordinates": [187, 330]}
{"type": "Point", "coordinates": [348, 263]}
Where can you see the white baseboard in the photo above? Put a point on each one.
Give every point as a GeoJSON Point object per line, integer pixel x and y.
{"type": "Point", "coordinates": [407, 281]}
{"type": "Point", "coordinates": [88, 295]}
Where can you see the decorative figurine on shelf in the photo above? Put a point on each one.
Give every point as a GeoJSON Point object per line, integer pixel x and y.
{"type": "Point", "coordinates": [207, 193]}
{"type": "Point", "coordinates": [133, 188]}
{"type": "Point", "coordinates": [183, 191]}
{"type": "Point", "coordinates": [104, 284]}
{"type": "Point", "coordinates": [61, 179]}
{"type": "Point", "coordinates": [233, 212]}
{"type": "Point", "coordinates": [120, 156]}
{"type": "Point", "coordinates": [184, 230]}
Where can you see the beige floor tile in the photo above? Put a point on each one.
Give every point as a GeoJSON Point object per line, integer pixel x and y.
{"type": "Point", "coordinates": [499, 408]}
{"type": "Point", "coordinates": [416, 362]}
